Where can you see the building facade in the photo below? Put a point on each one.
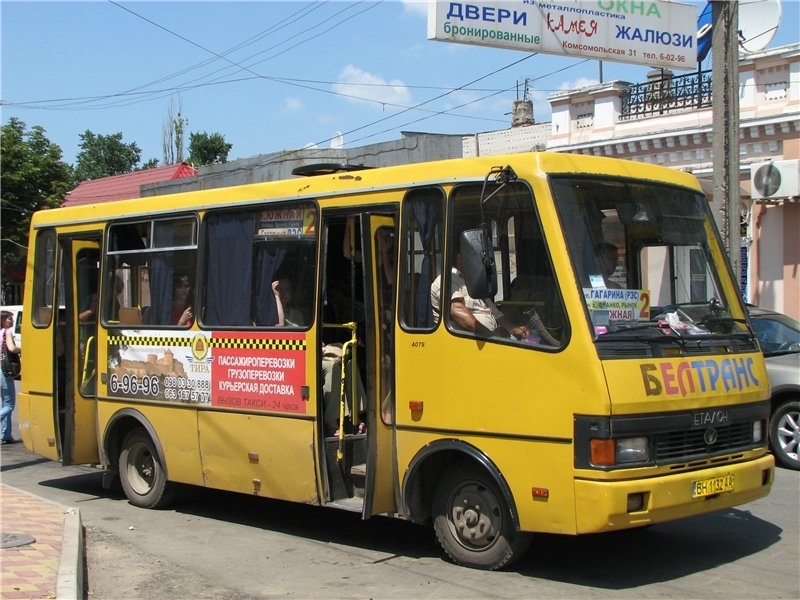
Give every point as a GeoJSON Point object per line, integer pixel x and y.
{"type": "Point", "coordinates": [666, 120]}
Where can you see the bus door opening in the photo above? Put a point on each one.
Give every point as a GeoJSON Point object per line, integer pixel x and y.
{"type": "Point", "coordinates": [353, 374]}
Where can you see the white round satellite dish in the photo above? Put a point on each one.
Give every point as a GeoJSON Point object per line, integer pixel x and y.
{"type": "Point", "coordinates": [337, 141]}
{"type": "Point", "coordinates": [758, 22]}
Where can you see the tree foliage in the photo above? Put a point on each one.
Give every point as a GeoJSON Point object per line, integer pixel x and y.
{"type": "Point", "coordinates": [34, 177]}
{"type": "Point", "coordinates": [105, 155]}
{"type": "Point", "coordinates": [207, 149]}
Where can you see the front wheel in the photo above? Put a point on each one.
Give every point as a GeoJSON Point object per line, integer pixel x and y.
{"type": "Point", "coordinates": [784, 434]}
{"type": "Point", "coordinates": [473, 522]}
{"type": "Point", "coordinates": [141, 472]}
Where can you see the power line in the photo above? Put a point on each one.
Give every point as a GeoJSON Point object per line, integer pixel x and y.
{"type": "Point", "coordinates": [134, 95]}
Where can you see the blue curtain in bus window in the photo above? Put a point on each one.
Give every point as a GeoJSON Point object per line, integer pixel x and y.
{"type": "Point", "coordinates": [427, 220]}
{"type": "Point", "coordinates": [268, 260]}
{"type": "Point", "coordinates": [161, 278]}
{"type": "Point", "coordinates": [230, 270]}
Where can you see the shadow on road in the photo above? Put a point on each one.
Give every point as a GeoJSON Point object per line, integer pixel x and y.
{"type": "Point", "coordinates": [659, 553]}
{"type": "Point", "coordinates": [614, 561]}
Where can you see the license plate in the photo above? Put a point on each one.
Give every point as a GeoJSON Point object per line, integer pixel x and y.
{"type": "Point", "coordinates": [715, 485]}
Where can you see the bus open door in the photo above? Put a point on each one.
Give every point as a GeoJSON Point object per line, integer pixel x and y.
{"type": "Point", "coordinates": [381, 475]}
{"type": "Point", "coordinates": [76, 349]}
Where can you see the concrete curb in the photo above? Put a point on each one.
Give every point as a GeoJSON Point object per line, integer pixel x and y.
{"type": "Point", "coordinates": [69, 583]}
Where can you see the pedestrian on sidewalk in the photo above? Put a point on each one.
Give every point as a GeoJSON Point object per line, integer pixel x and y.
{"type": "Point", "coordinates": [9, 392]}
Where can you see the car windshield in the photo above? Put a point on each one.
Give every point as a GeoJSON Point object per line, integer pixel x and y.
{"type": "Point", "coordinates": [777, 333]}
{"type": "Point", "coordinates": [648, 259]}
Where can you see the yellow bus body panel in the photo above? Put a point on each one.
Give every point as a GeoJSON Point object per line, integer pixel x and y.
{"type": "Point", "coordinates": [36, 408]}
{"type": "Point", "coordinates": [177, 433]}
{"type": "Point", "coordinates": [668, 384]}
{"type": "Point", "coordinates": [260, 455]}
{"type": "Point", "coordinates": [35, 414]}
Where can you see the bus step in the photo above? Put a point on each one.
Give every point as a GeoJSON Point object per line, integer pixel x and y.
{"type": "Point", "coordinates": [358, 475]}
{"type": "Point", "coordinates": [349, 504]}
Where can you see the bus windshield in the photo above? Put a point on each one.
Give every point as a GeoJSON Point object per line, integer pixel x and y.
{"type": "Point", "coordinates": [644, 255]}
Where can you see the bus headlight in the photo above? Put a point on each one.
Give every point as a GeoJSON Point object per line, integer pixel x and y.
{"type": "Point", "coordinates": [609, 452]}
{"type": "Point", "coordinates": [632, 450]}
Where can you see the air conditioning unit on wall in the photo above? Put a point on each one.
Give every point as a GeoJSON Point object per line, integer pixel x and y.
{"type": "Point", "coordinates": [775, 179]}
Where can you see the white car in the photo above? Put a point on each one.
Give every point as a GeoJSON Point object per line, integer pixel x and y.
{"type": "Point", "coordinates": [779, 336]}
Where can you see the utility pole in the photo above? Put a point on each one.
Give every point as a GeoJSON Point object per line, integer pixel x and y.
{"type": "Point", "coordinates": [725, 124]}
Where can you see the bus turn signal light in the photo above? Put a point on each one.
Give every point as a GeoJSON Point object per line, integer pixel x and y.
{"type": "Point", "coordinates": [540, 493]}
{"type": "Point", "coordinates": [415, 404]}
{"type": "Point", "coordinates": [603, 452]}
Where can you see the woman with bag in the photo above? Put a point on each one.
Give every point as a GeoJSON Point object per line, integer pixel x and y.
{"type": "Point", "coordinates": [9, 392]}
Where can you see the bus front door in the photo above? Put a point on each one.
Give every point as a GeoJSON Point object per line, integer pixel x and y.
{"type": "Point", "coordinates": [381, 485]}
{"type": "Point", "coordinates": [76, 349]}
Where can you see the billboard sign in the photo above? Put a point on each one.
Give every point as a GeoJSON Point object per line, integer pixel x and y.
{"type": "Point", "coordinates": [657, 33]}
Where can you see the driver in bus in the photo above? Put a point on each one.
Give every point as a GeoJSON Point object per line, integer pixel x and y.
{"type": "Point", "coordinates": [480, 316]}
{"type": "Point", "coordinates": [608, 256]}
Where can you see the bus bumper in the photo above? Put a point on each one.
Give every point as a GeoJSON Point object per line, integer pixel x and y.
{"type": "Point", "coordinates": [611, 505]}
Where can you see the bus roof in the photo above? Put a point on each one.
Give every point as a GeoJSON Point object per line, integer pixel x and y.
{"type": "Point", "coordinates": [369, 180]}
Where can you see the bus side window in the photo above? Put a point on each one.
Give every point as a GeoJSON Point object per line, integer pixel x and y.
{"type": "Point", "coordinates": [43, 277]}
{"type": "Point", "coordinates": [421, 260]}
{"type": "Point", "coordinates": [144, 259]}
{"type": "Point", "coordinates": [249, 254]}
{"type": "Point", "coordinates": [527, 308]}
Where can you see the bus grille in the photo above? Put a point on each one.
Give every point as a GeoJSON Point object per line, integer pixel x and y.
{"type": "Point", "coordinates": [681, 445]}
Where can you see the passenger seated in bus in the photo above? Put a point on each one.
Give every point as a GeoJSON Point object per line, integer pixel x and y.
{"type": "Point", "coordinates": [480, 316]}
{"type": "Point", "coordinates": [292, 316]}
{"type": "Point", "coordinates": [331, 389]}
{"type": "Point", "coordinates": [182, 301]}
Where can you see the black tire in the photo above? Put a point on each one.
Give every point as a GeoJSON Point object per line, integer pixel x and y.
{"type": "Point", "coordinates": [141, 472]}
{"type": "Point", "coordinates": [784, 434]}
{"type": "Point", "coordinates": [473, 522]}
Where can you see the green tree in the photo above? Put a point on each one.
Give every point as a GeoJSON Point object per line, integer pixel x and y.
{"type": "Point", "coordinates": [33, 177]}
{"type": "Point", "coordinates": [104, 155]}
{"type": "Point", "coordinates": [207, 149]}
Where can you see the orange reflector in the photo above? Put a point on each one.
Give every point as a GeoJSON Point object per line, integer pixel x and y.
{"type": "Point", "coordinates": [540, 492]}
{"type": "Point", "coordinates": [415, 404]}
{"type": "Point", "coordinates": [603, 452]}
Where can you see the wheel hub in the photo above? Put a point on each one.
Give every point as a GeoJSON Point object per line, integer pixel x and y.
{"type": "Point", "coordinates": [475, 516]}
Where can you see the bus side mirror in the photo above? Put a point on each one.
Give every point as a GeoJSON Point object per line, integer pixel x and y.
{"type": "Point", "coordinates": [477, 263]}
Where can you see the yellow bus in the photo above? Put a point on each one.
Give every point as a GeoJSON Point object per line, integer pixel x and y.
{"type": "Point", "coordinates": [496, 346]}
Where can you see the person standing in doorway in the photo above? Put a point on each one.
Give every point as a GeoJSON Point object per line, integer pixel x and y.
{"type": "Point", "coordinates": [9, 392]}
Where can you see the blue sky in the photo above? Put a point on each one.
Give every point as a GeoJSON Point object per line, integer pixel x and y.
{"type": "Point", "coordinates": [271, 75]}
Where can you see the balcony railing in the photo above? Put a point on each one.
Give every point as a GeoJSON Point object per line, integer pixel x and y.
{"type": "Point", "coordinates": [667, 94]}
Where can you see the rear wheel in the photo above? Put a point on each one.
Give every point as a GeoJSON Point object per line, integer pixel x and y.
{"type": "Point", "coordinates": [473, 522]}
{"type": "Point", "coordinates": [141, 472]}
{"type": "Point", "coordinates": [785, 434]}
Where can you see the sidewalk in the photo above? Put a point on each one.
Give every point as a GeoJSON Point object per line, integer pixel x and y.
{"type": "Point", "coordinates": [42, 548]}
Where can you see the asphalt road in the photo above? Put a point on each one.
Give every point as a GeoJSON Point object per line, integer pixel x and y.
{"type": "Point", "coordinates": [222, 545]}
